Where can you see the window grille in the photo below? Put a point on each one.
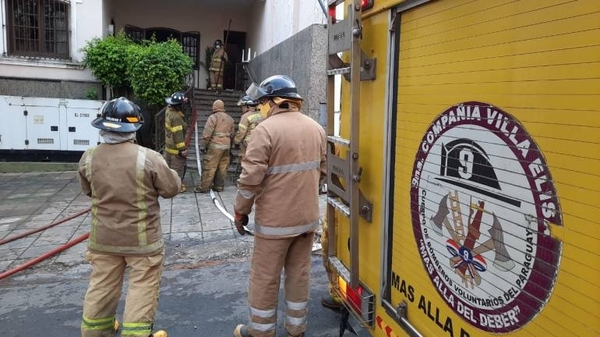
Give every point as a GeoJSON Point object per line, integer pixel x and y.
{"type": "Point", "coordinates": [38, 28]}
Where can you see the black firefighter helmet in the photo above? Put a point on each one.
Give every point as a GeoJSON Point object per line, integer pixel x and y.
{"type": "Point", "coordinates": [275, 86]}
{"type": "Point", "coordinates": [176, 99]}
{"type": "Point", "coordinates": [119, 115]}
{"type": "Point", "coordinates": [246, 100]}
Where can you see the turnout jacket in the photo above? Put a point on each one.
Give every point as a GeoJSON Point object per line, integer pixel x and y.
{"type": "Point", "coordinates": [124, 181]}
{"type": "Point", "coordinates": [248, 122]}
{"type": "Point", "coordinates": [217, 60]}
{"type": "Point", "coordinates": [218, 131]}
{"type": "Point", "coordinates": [281, 171]}
{"type": "Point", "coordinates": [175, 128]}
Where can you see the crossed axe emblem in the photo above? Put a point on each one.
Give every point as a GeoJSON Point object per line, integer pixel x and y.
{"type": "Point", "coordinates": [467, 259]}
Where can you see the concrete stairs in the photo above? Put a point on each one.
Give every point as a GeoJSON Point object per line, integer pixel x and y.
{"type": "Point", "coordinates": [203, 100]}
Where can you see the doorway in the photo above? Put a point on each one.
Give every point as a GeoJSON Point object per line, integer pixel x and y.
{"type": "Point", "coordinates": [233, 72]}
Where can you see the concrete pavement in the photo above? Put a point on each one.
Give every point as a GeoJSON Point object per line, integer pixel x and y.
{"type": "Point", "coordinates": [35, 199]}
{"type": "Point", "coordinates": [206, 269]}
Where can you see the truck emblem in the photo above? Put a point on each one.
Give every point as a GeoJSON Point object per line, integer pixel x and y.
{"type": "Point", "coordinates": [483, 205]}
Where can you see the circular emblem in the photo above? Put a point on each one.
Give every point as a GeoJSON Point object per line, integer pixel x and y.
{"type": "Point", "coordinates": [485, 204]}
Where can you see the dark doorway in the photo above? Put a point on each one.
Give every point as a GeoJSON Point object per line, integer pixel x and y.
{"type": "Point", "coordinates": [236, 42]}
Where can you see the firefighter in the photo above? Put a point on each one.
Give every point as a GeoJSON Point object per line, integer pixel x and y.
{"type": "Point", "coordinates": [175, 129]}
{"type": "Point", "coordinates": [280, 178]}
{"type": "Point", "coordinates": [217, 62]}
{"type": "Point", "coordinates": [216, 147]}
{"type": "Point", "coordinates": [124, 181]}
{"type": "Point", "coordinates": [248, 122]}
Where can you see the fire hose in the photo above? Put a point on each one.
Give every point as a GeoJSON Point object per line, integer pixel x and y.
{"type": "Point", "coordinates": [222, 209]}
{"type": "Point", "coordinates": [47, 254]}
{"type": "Point", "coordinates": [44, 256]}
{"type": "Point", "coordinates": [33, 231]}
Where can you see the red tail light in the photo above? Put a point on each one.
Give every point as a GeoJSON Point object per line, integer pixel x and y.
{"type": "Point", "coordinates": [331, 11]}
{"type": "Point", "coordinates": [366, 4]}
{"type": "Point", "coordinates": [360, 299]}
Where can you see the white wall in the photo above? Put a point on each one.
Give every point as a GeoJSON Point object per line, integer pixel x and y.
{"type": "Point", "coordinates": [276, 20]}
{"type": "Point", "coordinates": [267, 23]}
{"type": "Point", "coordinates": [85, 24]}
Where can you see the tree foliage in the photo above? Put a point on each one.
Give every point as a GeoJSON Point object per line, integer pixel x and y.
{"type": "Point", "coordinates": [106, 58]}
{"type": "Point", "coordinates": [154, 70]}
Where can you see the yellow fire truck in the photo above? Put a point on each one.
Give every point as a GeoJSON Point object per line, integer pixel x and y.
{"type": "Point", "coordinates": [464, 181]}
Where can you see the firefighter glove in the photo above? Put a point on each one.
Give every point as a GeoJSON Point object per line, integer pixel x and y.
{"type": "Point", "coordinates": [241, 220]}
{"type": "Point", "coordinates": [183, 153]}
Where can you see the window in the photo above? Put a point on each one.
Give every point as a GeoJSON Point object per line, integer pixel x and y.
{"type": "Point", "coordinates": [38, 28]}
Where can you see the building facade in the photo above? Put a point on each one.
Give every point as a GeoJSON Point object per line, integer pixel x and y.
{"type": "Point", "coordinates": [41, 40]}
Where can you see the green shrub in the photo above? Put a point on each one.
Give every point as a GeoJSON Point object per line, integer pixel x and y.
{"type": "Point", "coordinates": [156, 70]}
{"type": "Point", "coordinates": [91, 94]}
{"type": "Point", "coordinates": [107, 57]}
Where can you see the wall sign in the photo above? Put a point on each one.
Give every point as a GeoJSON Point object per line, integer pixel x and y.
{"type": "Point", "coordinates": [482, 198]}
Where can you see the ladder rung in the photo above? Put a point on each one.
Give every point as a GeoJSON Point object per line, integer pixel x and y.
{"type": "Point", "coordinates": [339, 206]}
{"type": "Point", "coordinates": [338, 71]}
{"type": "Point", "coordinates": [340, 268]}
{"type": "Point", "coordinates": [339, 140]}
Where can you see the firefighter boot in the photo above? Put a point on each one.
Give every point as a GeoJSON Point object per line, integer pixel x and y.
{"type": "Point", "coordinates": [241, 331]}
{"type": "Point", "coordinates": [159, 333]}
{"type": "Point", "coordinates": [331, 303]}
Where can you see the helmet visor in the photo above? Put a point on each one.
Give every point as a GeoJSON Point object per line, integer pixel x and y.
{"type": "Point", "coordinates": [255, 92]}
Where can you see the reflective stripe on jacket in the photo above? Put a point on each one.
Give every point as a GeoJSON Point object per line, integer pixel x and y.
{"type": "Point", "coordinates": [216, 62]}
{"type": "Point", "coordinates": [218, 131]}
{"type": "Point", "coordinates": [124, 181]}
{"type": "Point", "coordinates": [248, 122]}
{"type": "Point", "coordinates": [175, 128]}
{"type": "Point", "coordinates": [281, 171]}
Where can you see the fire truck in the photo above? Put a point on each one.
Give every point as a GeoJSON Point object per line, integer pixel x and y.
{"type": "Point", "coordinates": [464, 179]}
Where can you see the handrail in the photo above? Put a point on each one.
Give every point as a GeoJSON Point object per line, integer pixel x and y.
{"type": "Point", "coordinates": [190, 93]}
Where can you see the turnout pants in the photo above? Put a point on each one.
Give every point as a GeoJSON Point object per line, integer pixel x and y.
{"type": "Point", "coordinates": [269, 258]}
{"type": "Point", "coordinates": [216, 80]}
{"type": "Point", "coordinates": [214, 168]}
{"type": "Point", "coordinates": [104, 291]}
{"type": "Point", "coordinates": [176, 162]}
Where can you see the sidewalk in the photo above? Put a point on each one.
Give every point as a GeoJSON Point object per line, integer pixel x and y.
{"type": "Point", "coordinates": [190, 221]}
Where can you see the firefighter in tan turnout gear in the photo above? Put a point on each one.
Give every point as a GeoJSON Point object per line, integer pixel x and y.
{"type": "Point", "coordinates": [216, 147]}
{"type": "Point", "coordinates": [248, 122]}
{"type": "Point", "coordinates": [124, 181]}
{"type": "Point", "coordinates": [175, 129]}
{"type": "Point", "coordinates": [217, 63]}
{"type": "Point", "coordinates": [280, 179]}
